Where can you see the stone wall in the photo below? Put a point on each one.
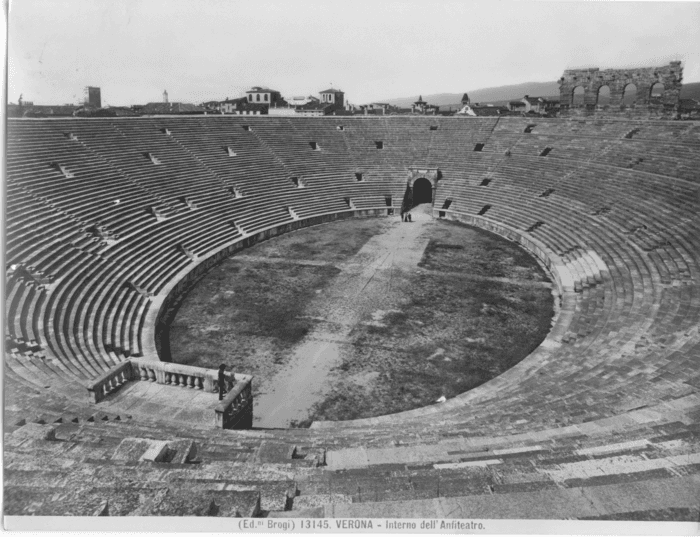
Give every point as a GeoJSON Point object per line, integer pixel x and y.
{"type": "Point", "coordinates": [645, 106]}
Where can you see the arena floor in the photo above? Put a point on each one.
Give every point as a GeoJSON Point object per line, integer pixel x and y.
{"type": "Point", "coordinates": [365, 317]}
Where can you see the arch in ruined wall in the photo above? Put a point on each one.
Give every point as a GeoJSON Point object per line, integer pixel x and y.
{"type": "Point", "coordinates": [578, 98]}
{"type": "Point", "coordinates": [630, 94]}
{"type": "Point", "coordinates": [656, 92]}
{"type": "Point", "coordinates": [644, 79]}
{"type": "Point", "coordinates": [603, 95]}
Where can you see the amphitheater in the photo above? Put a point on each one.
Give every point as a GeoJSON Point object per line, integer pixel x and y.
{"type": "Point", "coordinates": [109, 219]}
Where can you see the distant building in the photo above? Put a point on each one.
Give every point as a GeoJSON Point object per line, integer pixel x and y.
{"type": "Point", "coordinates": [466, 109]}
{"type": "Point", "coordinates": [261, 95]}
{"type": "Point", "coordinates": [110, 111]}
{"type": "Point", "coordinates": [242, 107]}
{"type": "Point", "coordinates": [384, 107]}
{"type": "Point", "coordinates": [422, 107]}
{"type": "Point", "coordinates": [27, 109]}
{"type": "Point", "coordinates": [419, 105]}
{"type": "Point", "coordinates": [489, 110]}
{"type": "Point", "coordinates": [301, 101]}
{"type": "Point", "coordinates": [537, 105]}
{"type": "Point", "coordinates": [165, 96]}
{"type": "Point", "coordinates": [265, 101]}
{"type": "Point", "coordinates": [169, 109]}
{"type": "Point", "coordinates": [232, 106]}
{"type": "Point", "coordinates": [334, 97]}
{"type": "Point", "coordinates": [92, 97]}
{"type": "Point", "coordinates": [314, 109]}
{"type": "Point", "coordinates": [517, 106]}
{"type": "Point", "coordinates": [378, 109]}
{"type": "Point", "coordinates": [212, 107]}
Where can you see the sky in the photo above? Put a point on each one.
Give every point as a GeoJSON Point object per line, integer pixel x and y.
{"type": "Point", "coordinates": [371, 49]}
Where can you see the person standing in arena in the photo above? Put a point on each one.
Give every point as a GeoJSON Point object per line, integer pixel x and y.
{"type": "Point", "coordinates": [222, 381]}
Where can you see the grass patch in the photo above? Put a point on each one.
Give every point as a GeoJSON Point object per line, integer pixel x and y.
{"type": "Point", "coordinates": [438, 334]}
{"type": "Point", "coordinates": [250, 314]}
{"type": "Point", "coordinates": [450, 334]}
{"type": "Point", "coordinates": [457, 247]}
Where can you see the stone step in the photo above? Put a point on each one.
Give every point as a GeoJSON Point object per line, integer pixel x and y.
{"type": "Point", "coordinates": [600, 501]}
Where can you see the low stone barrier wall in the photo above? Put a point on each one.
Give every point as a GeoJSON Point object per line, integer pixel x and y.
{"type": "Point", "coordinates": [234, 411]}
{"type": "Point", "coordinates": [110, 381]}
{"type": "Point", "coordinates": [185, 376]}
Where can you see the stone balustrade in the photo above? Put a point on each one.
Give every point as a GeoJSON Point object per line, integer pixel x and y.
{"type": "Point", "coordinates": [110, 381]}
{"type": "Point", "coordinates": [185, 376]}
{"type": "Point", "coordinates": [235, 411]}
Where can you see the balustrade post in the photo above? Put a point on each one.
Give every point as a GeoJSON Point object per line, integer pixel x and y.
{"type": "Point", "coordinates": [160, 376]}
{"type": "Point", "coordinates": [113, 380]}
{"type": "Point", "coordinates": [130, 372]}
{"type": "Point", "coordinates": [209, 383]}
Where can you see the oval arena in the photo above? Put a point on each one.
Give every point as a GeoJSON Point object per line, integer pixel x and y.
{"type": "Point", "coordinates": [109, 221]}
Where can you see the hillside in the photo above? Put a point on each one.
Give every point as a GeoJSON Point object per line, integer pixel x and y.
{"type": "Point", "coordinates": [691, 91]}
{"type": "Point", "coordinates": [502, 94]}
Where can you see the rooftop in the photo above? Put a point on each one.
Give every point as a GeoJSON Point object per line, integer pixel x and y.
{"type": "Point", "coordinates": [172, 108]}
{"type": "Point", "coordinates": [314, 106]}
{"type": "Point", "coordinates": [258, 89]}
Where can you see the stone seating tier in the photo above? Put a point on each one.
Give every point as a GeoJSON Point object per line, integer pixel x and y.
{"type": "Point", "coordinates": [616, 218]}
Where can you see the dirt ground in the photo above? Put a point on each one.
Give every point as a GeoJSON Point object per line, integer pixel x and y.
{"type": "Point", "coordinates": [365, 317]}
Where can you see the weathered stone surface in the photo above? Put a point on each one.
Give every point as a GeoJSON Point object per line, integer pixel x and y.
{"type": "Point", "coordinates": [156, 452]}
{"type": "Point", "coordinates": [131, 449]}
{"type": "Point", "coordinates": [184, 451]}
{"type": "Point", "coordinates": [593, 79]}
{"type": "Point", "coordinates": [34, 431]}
{"type": "Point", "coordinates": [180, 502]}
{"type": "Point", "coordinates": [274, 452]}
{"type": "Point", "coordinates": [604, 425]}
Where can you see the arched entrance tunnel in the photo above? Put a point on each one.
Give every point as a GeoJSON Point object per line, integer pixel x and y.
{"type": "Point", "coordinates": [422, 192]}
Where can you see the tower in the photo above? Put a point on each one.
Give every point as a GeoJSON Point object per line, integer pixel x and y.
{"type": "Point", "coordinates": [165, 96]}
{"type": "Point", "coordinates": [92, 97]}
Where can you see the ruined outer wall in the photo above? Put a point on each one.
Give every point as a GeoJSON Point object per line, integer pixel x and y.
{"type": "Point", "coordinates": [593, 79]}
